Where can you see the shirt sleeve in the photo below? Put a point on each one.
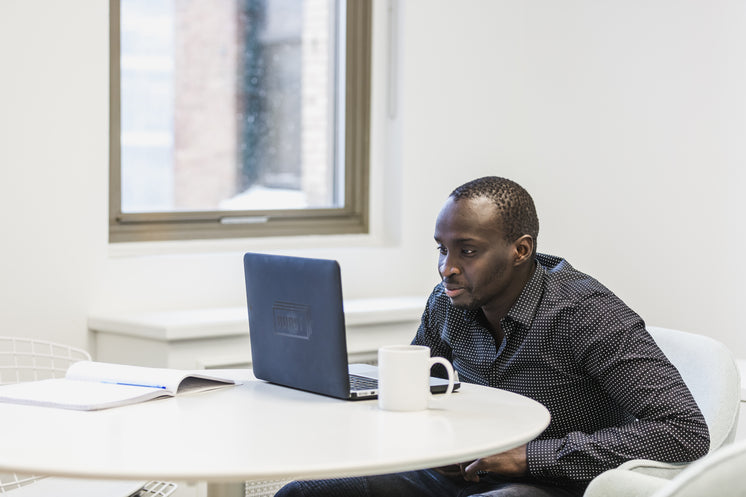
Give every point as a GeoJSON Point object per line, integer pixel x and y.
{"type": "Point", "coordinates": [611, 346]}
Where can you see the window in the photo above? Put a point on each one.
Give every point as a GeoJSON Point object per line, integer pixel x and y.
{"type": "Point", "coordinates": [238, 118]}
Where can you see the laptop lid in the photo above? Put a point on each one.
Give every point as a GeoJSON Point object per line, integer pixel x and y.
{"type": "Point", "coordinates": [296, 323]}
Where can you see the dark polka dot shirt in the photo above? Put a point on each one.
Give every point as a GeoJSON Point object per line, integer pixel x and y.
{"type": "Point", "coordinates": [574, 346]}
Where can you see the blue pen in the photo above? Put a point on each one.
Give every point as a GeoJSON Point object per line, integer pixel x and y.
{"type": "Point", "coordinates": [134, 384]}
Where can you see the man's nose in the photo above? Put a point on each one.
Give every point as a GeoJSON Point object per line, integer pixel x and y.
{"type": "Point", "coordinates": [447, 267]}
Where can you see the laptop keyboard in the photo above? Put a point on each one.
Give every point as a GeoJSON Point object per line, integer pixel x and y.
{"type": "Point", "coordinates": [363, 383]}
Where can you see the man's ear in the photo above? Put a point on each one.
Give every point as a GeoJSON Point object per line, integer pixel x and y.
{"type": "Point", "coordinates": [524, 249]}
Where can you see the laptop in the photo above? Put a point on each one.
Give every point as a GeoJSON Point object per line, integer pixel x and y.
{"type": "Point", "coordinates": [297, 328]}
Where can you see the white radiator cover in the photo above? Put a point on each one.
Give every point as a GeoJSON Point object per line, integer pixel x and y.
{"type": "Point", "coordinates": [219, 337]}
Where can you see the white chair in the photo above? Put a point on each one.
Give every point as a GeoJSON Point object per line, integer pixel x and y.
{"type": "Point", "coordinates": [711, 373]}
{"type": "Point", "coordinates": [23, 359]}
{"type": "Point", "coordinates": [719, 473]}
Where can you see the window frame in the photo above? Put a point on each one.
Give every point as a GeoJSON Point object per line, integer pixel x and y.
{"type": "Point", "coordinates": [352, 218]}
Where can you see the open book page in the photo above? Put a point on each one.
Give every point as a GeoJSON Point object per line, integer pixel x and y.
{"type": "Point", "coordinates": [162, 378]}
{"type": "Point", "coordinates": [238, 375]}
{"type": "Point", "coordinates": [76, 394]}
{"type": "Point", "coordinates": [92, 385]}
{"type": "Point", "coordinates": [197, 384]}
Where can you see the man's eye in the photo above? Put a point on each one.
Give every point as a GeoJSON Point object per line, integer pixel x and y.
{"type": "Point", "coordinates": [468, 251]}
{"type": "Point", "coordinates": [441, 249]}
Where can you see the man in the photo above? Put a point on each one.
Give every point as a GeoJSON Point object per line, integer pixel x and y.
{"type": "Point", "coordinates": [530, 323]}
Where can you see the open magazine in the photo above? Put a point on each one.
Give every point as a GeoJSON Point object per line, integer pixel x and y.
{"type": "Point", "coordinates": [89, 386]}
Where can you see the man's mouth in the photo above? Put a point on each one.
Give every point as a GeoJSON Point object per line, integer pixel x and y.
{"type": "Point", "coordinates": [453, 291]}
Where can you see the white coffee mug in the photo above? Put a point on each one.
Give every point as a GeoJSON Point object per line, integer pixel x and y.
{"type": "Point", "coordinates": [404, 377]}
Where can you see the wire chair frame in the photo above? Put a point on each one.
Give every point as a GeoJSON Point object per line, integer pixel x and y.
{"type": "Point", "coordinates": [26, 359]}
{"type": "Point", "coordinates": [157, 489]}
{"type": "Point", "coordinates": [263, 488]}
{"type": "Point", "coordinates": [12, 481]}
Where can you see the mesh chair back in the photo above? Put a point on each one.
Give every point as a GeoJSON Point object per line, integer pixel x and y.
{"type": "Point", "coordinates": [24, 359]}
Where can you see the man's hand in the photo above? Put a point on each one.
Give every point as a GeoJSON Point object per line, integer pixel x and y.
{"type": "Point", "coordinates": [511, 463]}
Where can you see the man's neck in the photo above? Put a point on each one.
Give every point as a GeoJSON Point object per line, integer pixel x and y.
{"type": "Point", "coordinates": [496, 311]}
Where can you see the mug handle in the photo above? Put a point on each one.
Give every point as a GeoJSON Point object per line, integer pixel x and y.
{"type": "Point", "coordinates": [446, 364]}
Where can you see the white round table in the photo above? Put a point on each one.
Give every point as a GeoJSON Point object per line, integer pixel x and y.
{"type": "Point", "coordinates": [261, 431]}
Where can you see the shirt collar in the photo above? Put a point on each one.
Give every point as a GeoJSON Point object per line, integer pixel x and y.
{"type": "Point", "coordinates": [524, 309]}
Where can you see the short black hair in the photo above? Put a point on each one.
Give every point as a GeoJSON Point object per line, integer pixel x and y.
{"type": "Point", "coordinates": [514, 203]}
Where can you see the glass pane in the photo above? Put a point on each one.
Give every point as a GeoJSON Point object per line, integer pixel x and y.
{"type": "Point", "coordinates": [229, 105]}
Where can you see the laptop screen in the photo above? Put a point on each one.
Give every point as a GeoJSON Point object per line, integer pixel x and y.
{"type": "Point", "coordinates": [296, 322]}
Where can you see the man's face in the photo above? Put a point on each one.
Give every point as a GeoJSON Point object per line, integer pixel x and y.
{"type": "Point", "coordinates": [475, 261]}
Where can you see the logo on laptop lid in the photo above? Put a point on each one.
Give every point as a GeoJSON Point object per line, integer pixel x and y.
{"type": "Point", "coordinates": [293, 320]}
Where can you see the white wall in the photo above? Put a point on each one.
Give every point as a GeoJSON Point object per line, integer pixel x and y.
{"type": "Point", "coordinates": [625, 119]}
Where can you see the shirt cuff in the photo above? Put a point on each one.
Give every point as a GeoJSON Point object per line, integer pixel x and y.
{"type": "Point", "coordinates": [541, 457]}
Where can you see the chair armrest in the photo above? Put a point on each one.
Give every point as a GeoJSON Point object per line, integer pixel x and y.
{"type": "Point", "coordinates": [624, 483]}
{"type": "Point", "coordinates": [653, 468]}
